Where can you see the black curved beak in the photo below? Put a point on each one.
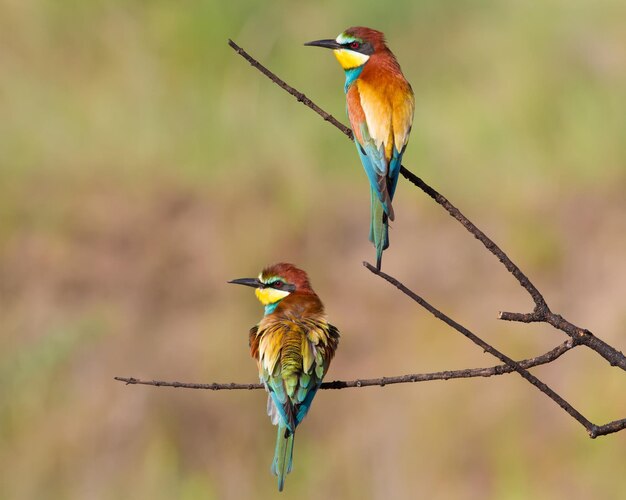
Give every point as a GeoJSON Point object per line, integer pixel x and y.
{"type": "Point", "coordinates": [327, 44]}
{"type": "Point", "coordinates": [253, 282]}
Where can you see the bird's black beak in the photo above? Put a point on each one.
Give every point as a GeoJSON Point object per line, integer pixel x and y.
{"type": "Point", "coordinates": [253, 282]}
{"type": "Point", "coordinates": [327, 44]}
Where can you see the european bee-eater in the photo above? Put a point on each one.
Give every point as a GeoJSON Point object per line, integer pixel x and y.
{"type": "Point", "coordinates": [293, 345]}
{"type": "Point", "coordinates": [380, 107]}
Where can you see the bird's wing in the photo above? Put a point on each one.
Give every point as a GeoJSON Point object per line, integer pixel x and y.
{"type": "Point", "coordinates": [403, 105]}
{"type": "Point", "coordinates": [253, 342]}
{"type": "Point", "coordinates": [270, 338]}
{"type": "Point", "coordinates": [293, 359]}
{"type": "Point", "coordinates": [371, 124]}
{"type": "Point", "coordinates": [318, 349]}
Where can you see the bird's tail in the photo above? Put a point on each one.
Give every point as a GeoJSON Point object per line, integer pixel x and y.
{"type": "Point", "coordinates": [283, 455]}
{"type": "Point", "coordinates": [379, 228]}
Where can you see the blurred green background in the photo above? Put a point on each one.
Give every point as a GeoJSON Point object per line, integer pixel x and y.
{"type": "Point", "coordinates": [143, 164]}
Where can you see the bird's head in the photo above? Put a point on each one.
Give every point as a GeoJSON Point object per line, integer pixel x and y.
{"type": "Point", "coordinates": [275, 283]}
{"type": "Point", "coordinates": [354, 47]}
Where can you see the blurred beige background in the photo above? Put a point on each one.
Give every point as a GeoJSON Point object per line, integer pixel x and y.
{"type": "Point", "coordinates": [143, 164]}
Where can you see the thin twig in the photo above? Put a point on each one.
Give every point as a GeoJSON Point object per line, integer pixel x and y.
{"type": "Point", "coordinates": [285, 86]}
{"type": "Point", "coordinates": [540, 303]}
{"type": "Point", "coordinates": [610, 428]}
{"type": "Point", "coordinates": [580, 335]}
{"type": "Point", "coordinates": [543, 359]}
{"type": "Point", "coordinates": [593, 429]}
{"type": "Point", "coordinates": [230, 386]}
{"type": "Point", "coordinates": [486, 347]}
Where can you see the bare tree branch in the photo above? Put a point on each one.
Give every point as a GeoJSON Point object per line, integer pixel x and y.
{"type": "Point", "coordinates": [592, 429]}
{"type": "Point", "coordinates": [581, 335]}
{"type": "Point", "coordinates": [543, 359]}
{"type": "Point", "coordinates": [610, 428]}
{"type": "Point", "coordinates": [540, 313]}
{"type": "Point", "coordinates": [285, 86]}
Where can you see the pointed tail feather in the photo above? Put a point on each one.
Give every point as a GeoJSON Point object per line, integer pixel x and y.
{"type": "Point", "coordinates": [379, 228]}
{"type": "Point", "coordinates": [283, 455]}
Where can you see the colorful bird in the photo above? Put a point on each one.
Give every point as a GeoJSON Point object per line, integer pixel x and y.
{"type": "Point", "coordinates": [293, 345]}
{"type": "Point", "coordinates": [380, 107]}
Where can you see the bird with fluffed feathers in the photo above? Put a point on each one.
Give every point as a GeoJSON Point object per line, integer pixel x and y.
{"type": "Point", "coordinates": [380, 105]}
{"type": "Point", "coordinates": [293, 346]}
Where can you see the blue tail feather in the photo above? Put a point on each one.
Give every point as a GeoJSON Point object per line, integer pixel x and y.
{"type": "Point", "coordinates": [379, 228]}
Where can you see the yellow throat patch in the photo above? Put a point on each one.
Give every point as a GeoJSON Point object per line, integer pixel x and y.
{"type": "Point", "coordinates": [350, 59]}
{"type": "Point", "coordinates": [269, 296]}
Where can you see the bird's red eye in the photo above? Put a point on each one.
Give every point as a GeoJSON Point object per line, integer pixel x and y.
{"type": "Point", "coordinates": [355, 45]}
{"type": "Point", "coordinates": [277, 284]}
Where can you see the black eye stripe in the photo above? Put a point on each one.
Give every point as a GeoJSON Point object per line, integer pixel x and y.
{"type": "Point", "coordinates": [362, 47]}
{"type": "Point", "coordinates": [279, 285]}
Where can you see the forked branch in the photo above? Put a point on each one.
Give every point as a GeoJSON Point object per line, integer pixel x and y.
{"type": "Point", "coordinates": [593, 429]}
